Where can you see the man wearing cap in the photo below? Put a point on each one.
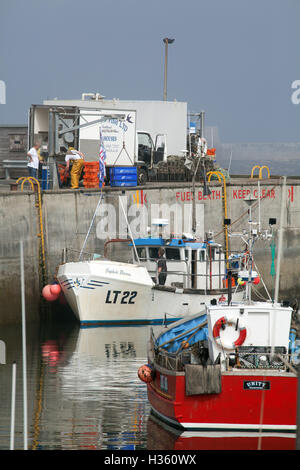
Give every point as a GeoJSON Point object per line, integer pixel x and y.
{"type": "Point", "coordinates": [78, 163]}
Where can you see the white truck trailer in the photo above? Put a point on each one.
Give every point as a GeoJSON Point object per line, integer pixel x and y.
{"type": "Point", "coordinates": [135, 133]}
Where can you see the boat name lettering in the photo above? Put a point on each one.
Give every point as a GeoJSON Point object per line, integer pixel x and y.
{"type": "Point", "coordinates": [125, 297]}
{"type": "Point", "coordinates": [257, 385]}
{"type": "Point", "coordinates": [115, 271]}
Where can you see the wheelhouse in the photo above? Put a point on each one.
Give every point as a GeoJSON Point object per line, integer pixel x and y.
{"type": "Point", "coordinates": [190, 263]}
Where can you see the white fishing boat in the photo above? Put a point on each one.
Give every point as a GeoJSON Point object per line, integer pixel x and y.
{"type": "Point", "coordinates": [102, 292]}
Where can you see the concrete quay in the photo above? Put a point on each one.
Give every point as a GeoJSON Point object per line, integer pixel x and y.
{"type": "Point", "coordinates": [67, 215]}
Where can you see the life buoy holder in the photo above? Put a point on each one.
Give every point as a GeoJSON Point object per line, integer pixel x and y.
{"type": "Point", "coordinates": [222, 323]}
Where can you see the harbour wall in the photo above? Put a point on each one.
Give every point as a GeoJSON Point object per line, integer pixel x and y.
{"type": "Point", "coordinates": [67, 216]}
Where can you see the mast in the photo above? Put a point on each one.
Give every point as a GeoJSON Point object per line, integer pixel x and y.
{"type": "Point", "coordinates": [283, 199]}
{"type": "Point", "coordinates": [200, 155]}
{"type": "Point", "coordinates": [253, 235]}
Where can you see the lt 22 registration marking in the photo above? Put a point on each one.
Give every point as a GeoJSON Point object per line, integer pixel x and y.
{"type": "Point", "coordinates": [122, 297]}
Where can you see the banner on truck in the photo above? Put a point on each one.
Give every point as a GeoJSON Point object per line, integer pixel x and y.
{"type": "Point", "coordinates": [118, 133]}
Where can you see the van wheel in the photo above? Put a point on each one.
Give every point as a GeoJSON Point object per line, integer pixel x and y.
{"type": "Point", "coordinates": [142, 176]}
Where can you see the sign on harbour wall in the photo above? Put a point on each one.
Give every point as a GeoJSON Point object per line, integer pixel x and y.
{"type": "Point", "coordinates": [242, 193]}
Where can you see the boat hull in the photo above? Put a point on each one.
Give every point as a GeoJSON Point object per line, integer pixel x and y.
{"type": "Point", "coordinates": [108, 293]}
{"type": "Point", "coordinates": [241, 405]}
{"type": "Point", "coordinates": [163, 437]}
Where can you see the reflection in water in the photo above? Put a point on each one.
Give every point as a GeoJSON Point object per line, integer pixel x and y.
{"type": "Point", "coordinates": [84, 393]}
{"type": "Point", "coordinates": [83, 389]}
{"type": "Point", "coordinates": [163, 437]}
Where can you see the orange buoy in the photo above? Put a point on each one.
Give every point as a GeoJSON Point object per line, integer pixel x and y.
{"type": "Point", "coordinates": [55, 289]}
{"type": "Point", "coordinates": [144, 374]}
{"type": "Point", "coordinates": [47, 294]}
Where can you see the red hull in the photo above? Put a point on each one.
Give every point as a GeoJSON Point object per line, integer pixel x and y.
{"type": "Point", "coordinates": [235, 408]}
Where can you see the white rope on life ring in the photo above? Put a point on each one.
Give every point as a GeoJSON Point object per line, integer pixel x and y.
{"type": "Point", "coordinates": [222, 322]}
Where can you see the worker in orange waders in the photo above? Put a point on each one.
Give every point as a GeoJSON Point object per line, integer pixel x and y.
{"type": "Point", "coordinates": [78, 163]}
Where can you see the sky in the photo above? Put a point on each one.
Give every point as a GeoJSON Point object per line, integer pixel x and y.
{"type": "Point", "coordinates": [234, 59]}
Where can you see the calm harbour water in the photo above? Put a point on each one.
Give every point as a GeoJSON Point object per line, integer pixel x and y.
{"type": "Point", "coordinates": [84, 393]}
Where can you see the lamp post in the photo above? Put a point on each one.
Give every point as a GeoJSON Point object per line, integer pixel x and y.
{"type": "Point", "coordinates": [167, 41]}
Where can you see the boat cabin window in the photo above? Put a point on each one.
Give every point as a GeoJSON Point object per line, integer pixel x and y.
{"type": "Point", "coordinates": [142, 254]}
{"type": "Point", "coordinates": [173, 253]}
{"type": "Point", "coordinates": [153, 252]}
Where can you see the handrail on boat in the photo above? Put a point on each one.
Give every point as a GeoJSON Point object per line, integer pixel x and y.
{"type": "Point", "coordinates": [89, 256]}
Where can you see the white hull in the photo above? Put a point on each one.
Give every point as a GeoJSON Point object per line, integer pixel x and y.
{"type": "Point", "coordinates": [107, 292]}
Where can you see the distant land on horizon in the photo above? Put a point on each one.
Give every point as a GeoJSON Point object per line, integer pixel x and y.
{"type": "Point", "coordinates": [281, 158]}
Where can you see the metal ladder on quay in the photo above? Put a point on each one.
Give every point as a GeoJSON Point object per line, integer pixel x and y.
{"type": "Point", "coordinates": [34, 183]}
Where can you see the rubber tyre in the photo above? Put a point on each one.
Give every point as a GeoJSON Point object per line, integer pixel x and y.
{"type": "Point", "coordinates": [142, 176]}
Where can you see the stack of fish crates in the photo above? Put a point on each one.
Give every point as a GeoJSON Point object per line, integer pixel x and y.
{"type": "Point", "coordinates": [91, 175]}
{"type": "Point", "coordinates": [123, 176]}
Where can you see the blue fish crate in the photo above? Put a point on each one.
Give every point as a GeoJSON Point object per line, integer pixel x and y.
{"type": "Point", "coordinates": [123, 176]}
{"type": "Point", "coordinates": [45, 177]}
{"type": "Point", "coordinates": [123, 183]}
{"type": "Point", "coordinates": [117, 171]}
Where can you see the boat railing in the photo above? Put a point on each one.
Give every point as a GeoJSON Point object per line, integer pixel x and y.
{"type": "Point", "coordinates": [260, 361]}
{"type": "Point", "coordinates": [69, 255]}
{"type": "Point", "coordinates": [212, 270]}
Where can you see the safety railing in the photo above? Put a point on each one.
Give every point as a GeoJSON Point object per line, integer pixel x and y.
{"type": "Point", "coordinates": [259, 360]}
{"type": "Point", "coordinates": [261, 168]}
{"type": "Point", "coordinates": [69, 255]}
{"type": "Point", "coordinates": [271, 361]}
{"type": "Point", "coordinates": [209, 275]}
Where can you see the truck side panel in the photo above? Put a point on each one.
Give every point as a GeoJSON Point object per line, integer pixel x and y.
{"type": "Point", "coordinates": [116, 132]}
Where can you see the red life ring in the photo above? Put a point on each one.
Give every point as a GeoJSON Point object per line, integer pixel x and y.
{"type": "Point", "coordinates": [223, 321]}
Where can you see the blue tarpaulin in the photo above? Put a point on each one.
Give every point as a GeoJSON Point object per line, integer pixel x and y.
{"type": "Point", "coordinates": [188, 326]}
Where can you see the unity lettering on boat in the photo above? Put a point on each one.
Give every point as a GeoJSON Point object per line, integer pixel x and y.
{"type": "Point", "coordinates": [257, 385]}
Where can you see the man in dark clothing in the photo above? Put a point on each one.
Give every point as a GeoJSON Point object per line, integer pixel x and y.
{"type": "Point", "coordinates": [161, 267]}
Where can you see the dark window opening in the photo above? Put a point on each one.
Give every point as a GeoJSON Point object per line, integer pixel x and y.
{"type": "Point", "coordinates": [153, 252]}
{"type": "Point", "coordinates": [173, 253]}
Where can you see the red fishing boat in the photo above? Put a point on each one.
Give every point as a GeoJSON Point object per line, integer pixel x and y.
{"type": "Point", "coordinates": [213, 387]}
{"type": "Point", "coordinates": [229, 368]}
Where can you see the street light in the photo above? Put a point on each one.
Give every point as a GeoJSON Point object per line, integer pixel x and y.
{"type": "Point", "coordinates": [166, 41]}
